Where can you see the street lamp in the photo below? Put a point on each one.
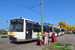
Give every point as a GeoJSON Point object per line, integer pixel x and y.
{"type": "Point", "coordinates": [6, 25]}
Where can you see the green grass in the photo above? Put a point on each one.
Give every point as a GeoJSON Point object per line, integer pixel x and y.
{"type": "Point", "coordinates": [2, 33]}
{"type": "Point", "coordinates": [58, 46]}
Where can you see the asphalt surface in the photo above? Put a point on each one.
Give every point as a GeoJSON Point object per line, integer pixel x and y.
{"type": "Point", "coordinates": [4, 40]}
{"type": "Point", "coordinates": [6, 44]}
{"type": "Point", "coordinates": [67, 39]}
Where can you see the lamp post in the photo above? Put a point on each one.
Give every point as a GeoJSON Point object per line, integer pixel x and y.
{"type": "Point", "coordinates": [52, 28]}
{"type": "Point", "coordinates": [6, 25]}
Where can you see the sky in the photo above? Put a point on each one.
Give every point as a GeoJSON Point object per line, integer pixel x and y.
{"type": "Point", "coordinates": [54, 11]}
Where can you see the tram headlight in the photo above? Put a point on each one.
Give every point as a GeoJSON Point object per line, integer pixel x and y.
{"type": "Point", "coordinates": [10, 35]}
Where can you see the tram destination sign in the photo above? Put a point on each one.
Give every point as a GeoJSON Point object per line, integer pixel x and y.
{"type": "Point", "coordinates": [14, 20]}
{"type": "Point", "coordinates": [17, 20]}
{"type": "Point", "coordinates": [32, 22]}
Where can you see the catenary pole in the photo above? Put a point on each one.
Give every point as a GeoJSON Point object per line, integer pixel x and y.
{"type": "Point", "coordinates": [65, 27]}
{"type": "Point", "coordinates": [41, 16]}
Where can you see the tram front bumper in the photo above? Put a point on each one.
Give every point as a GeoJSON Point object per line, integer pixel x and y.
{"type": "Point", "coordinates": [12, 38]}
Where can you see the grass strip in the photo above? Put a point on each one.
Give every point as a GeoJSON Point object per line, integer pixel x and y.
{"type": "Point", "coordinates": [58, 46]}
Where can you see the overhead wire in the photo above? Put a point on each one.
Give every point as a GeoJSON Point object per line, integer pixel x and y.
{"type": "Point", "coordinates": [17, 4]}
{"type": "Point", "coordinates": [23, 6]}
{"type": "Point", "coordinates": [50, 18]}
{"type": "Point", "coordinates": [29, 8]}
{"type": "Point", "coordinates": [34, 6]}
{"type": "Point", "coordinates": [35, 2]}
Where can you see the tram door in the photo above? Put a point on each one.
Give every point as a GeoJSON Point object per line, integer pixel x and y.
{"type": "Point", "coordinates": [29, 30]}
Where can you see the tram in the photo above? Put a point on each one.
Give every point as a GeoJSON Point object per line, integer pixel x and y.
{"type": "Point", "coordinates": [62, 31]}
{"type": "Point", "coordinates": [73, 31]}
{"type": "Point", "coordinates": [59, 31]}
{"type": "Point", "coordinates": [22, 29]}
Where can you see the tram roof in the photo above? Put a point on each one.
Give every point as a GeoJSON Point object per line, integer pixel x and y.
{"type": "Point", "coordinates": [58, 27]}
{"type": "Point", "coordinates": [37, 23]}
{"type": "Point", "coordinates": [31, 21]}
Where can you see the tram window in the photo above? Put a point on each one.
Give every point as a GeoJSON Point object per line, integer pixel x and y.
{"type": "Point", "coordinates": [26, 27]}
{"type": "Point", "coordinates": [19, 27]}
{"type": "Point", "coordinates": [11, 28]}
{"type": "Point", "coordinates": [50, 29]}
{"type": "Point", "coordinates": [30, 28]}
{"type": "Point", "coordinates": [37, 28]}
{"type": "Point", "coordinates": [16, 26]}
{"type": "Point", "coordinates": [47, 28]}
{"type": "Point", "coordinates": [57, 30]}
{"type": "Point", "coordinates": [62, 30]}
{"type": "Point", "coordinates": [44, 28]}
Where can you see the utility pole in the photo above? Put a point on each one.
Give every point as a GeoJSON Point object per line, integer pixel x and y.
{"type": "Point", "coordinates": [41, 16]}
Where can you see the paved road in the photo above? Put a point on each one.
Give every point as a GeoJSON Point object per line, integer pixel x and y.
{"type": "Point", "coordinates": [21, 46]}
{"type": "Point", "coordinates": [32, 45]}
{"type": "Point", "coordinates": [4, 40]}
{"type": "Point", "coordinates": [66, 39]}
{"type": "Point", "coordinates": [69, 38]}
{"type": "Point", "coordinates": [6, 44]}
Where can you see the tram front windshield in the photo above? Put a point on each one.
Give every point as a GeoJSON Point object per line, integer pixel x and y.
{"type": "Point", "coordinates": [16, 26]}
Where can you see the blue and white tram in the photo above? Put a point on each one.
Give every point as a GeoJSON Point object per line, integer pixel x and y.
{"type": "Point", "coordinates": [24, 29]}
{"type": "Point", "coordinates": [59, 31]}
{"type": "Point", "coordinates": [52, 29]}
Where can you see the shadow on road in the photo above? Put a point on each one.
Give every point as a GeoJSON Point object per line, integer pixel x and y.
{"type": "Point", "coordinates": [23, 42]}
{"type": "Point", "coordinates": [27, 42]}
